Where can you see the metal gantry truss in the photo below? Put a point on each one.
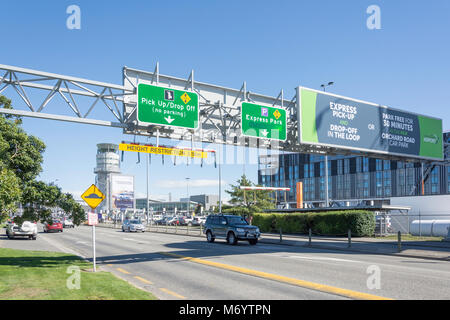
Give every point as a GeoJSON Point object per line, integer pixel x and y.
{"type": "Point", "coordinates": [70, 89]}
{"type": "Point", "coordinates": [220, 114]}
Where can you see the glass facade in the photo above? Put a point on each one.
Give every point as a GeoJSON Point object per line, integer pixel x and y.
{"type": "Point", "coordinates": [171, 206]}
{"type": "Point", "coordinates": [352, 177]}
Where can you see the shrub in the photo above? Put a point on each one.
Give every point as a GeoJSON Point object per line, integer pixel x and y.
{"type": "Point", "coordinates": [361, 223]}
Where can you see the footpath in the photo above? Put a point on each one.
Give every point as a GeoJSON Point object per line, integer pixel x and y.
{"type": "Point", "coordinates": [436, 250]}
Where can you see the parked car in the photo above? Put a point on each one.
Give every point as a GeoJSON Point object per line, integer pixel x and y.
{"type": "Point", "coordinates": [156, 217]}
{"type": "Point", "coordinates": [188, 220]}
{"type": "Point", "coordinates": [202, 220]}
{"type": "Point", "coordinates": [177, 221]}
{"type": "Point", "coordinates": [56, 226]}
{"type": "Point", "coordinates": [197, 221]}
{"type": "Point", "coordinates": [162, 221]}
{"type": "Point", "coordinates": [67, 223]}
{"type": "Point", "coordinates": [133, 225]}
{"type": "Point", "coordinates": [169, 220]}
{"type": "Point", "coordinates": [27, 229]}
{"type": "Point", "coordinates": [230, 227]}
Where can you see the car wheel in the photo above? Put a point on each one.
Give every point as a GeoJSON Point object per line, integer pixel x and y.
{"type": "Point", "coordinates": [209, 236]}
{"type": "Point", "coordinates": [34, 237]}
{"type": "Point", "coordinates": [231, 238]}
{"type": "Point", "coordinates": [253, 241]}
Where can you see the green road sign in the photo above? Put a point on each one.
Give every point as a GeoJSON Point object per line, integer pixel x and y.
{"type": "Point", "coordinates": [167, 107]}
{"type": "Point", "coordinates": [263, 122]}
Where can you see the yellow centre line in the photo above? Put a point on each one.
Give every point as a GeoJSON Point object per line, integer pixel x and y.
{"type": "Point", "coordinates": [143, 280]}
{"type": "Point", "coordinates": [172, 293]}
{"type": "Point", "coordinates": [301, 283]}
{"type": "Point", "coordinates": [122, 270]}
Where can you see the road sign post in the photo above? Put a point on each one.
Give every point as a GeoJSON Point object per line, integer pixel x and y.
{"type": "Point", "coordinates": [93, 197]}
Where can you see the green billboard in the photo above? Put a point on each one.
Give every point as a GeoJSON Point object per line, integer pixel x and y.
{"type": "Point", "coordinates": [335, 121]}
{"type": "Point", "coordinates": [263, 122]}
{"type": "Point", "coordinates": [166, 106]}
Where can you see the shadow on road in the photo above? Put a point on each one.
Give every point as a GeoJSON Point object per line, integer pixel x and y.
{"type": "Point", "coordinates": [203, 250]}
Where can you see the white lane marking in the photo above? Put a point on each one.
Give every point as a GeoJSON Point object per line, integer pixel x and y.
{"type": "Point", "coordinates": [82, 242]}
{"type": "Point", "coordinates": [319, 258]}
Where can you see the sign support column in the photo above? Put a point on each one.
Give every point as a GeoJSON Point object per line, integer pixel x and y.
{"type": "Point", "coordinates": [93, 197]}
{"type": "Point", "coordinates": [93, 246]}
{"type": "Point", "coordinates": [327, 201]}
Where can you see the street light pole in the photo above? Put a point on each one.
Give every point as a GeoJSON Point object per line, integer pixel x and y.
{"type": "Point", "coordinates": [148, 196]}
{"type": "Point", "coordinates": [188, 199]}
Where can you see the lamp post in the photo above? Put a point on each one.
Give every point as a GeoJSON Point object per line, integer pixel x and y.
{"type": "Point", "coordinates": [327, 200]}
{"type": "Point", "coordinates": [327, 85]}
{"type": "Point", "coordinates": [188, 199]}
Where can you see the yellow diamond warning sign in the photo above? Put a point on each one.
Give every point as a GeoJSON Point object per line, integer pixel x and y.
{"type": "Point", "coordinates": [277, 114]}
{"type": "Point", "coordinates": [93, 196]}
{"type": "Point", "coordinates": [185, 97]}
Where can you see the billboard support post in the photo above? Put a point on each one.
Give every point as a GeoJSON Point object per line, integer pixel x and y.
{"type": "Point", "coordinates": [327, 202]}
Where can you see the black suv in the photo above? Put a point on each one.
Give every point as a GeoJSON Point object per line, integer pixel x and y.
{"type": "Point", "coordinates": [232, 228]}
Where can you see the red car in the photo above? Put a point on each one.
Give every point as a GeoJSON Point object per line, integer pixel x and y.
{"type": "Point", "coordinates": [56, 226]}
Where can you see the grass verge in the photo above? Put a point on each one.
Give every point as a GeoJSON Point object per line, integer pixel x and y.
{"type": "Point", "coordinates": [42, 275]}
{"type": "Point", "coordinates": [408, 237]}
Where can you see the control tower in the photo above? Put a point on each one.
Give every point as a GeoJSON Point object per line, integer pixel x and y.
{"type": "Point", "coordinates": [108, 162]}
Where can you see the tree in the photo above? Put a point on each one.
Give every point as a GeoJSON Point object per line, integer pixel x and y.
{"type": "Point", "coordinates": [20, 164]}
{"type": "Point", "coordinates": [10, 192]}
{"type": "Point", "coordinates": [20, 152]}
{"type": "Point", "coordinates": [20, 158]}
{"type": "Point", "coordinates": [248, 201]}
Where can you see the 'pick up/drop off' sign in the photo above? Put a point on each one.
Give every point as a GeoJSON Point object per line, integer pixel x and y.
{"type": "Point", "coordinates": [167, 107]}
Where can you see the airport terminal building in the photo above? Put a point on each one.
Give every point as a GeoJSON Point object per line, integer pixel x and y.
{"type": "Point", "coordinates": [352, 180]}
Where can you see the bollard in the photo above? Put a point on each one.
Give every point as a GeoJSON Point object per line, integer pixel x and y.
{"type": "Point", "coordinates": [399, 236]}
{"type": "Point", "coordinates": [200, 229]}
{"type": "Point", "coordinates": [281, 235]}
{"type": "Point", "coordinates": [176, 227]}
{"type": "Point", "coordinates": [349, 238]}
{"type": "Point", "coordinates": [310, 234]}
{"type": "Point", "coordinates": [187, 229]}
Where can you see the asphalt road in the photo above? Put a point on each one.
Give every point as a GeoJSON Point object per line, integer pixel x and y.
{"type": "Point", "coordinates": [184, 267]}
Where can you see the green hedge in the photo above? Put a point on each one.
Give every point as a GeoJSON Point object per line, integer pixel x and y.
{"type": "Point", "coordinates": [361, 223]}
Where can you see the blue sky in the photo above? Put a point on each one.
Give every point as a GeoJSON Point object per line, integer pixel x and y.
{"type": "Point", "coordinates": [269, 44]}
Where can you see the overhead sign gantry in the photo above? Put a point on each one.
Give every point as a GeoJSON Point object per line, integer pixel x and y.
{"type": "Point", "coordinates": [153, 104]}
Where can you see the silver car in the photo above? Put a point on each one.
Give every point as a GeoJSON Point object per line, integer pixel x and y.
{"type": "Point", "coordinates": [27, 229]}
{"type": "Point", "coordinates": [67, 223]}
{"type": "Point", "coordinates": [133, 225]}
